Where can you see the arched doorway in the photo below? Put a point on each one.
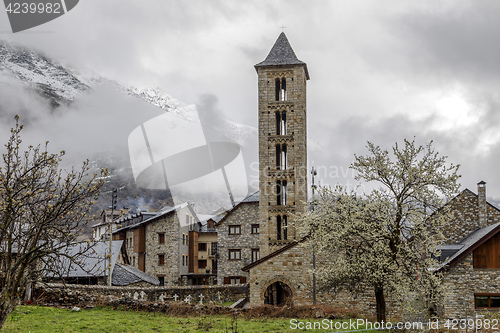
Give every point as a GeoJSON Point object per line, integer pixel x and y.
{"type": "Point", "coordinates": [278, 293]}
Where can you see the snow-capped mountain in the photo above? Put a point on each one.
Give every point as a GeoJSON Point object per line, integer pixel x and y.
{"type": "Point", "coordinates": [35, 71]}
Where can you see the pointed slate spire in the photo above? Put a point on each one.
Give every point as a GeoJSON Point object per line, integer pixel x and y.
{"type": "Point", "coordinates": [281, 55]}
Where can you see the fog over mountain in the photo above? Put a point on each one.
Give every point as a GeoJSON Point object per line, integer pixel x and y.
{"type": "Point", "coordinates": [91, 117]}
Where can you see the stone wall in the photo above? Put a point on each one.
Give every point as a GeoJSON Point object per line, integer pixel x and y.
{"type": "Point", "coordinates": [461, 282]}
{"type": "Point", "coordinates": [172, 249]}
{"type": "Point", "coordinates": [465, 208]}
{"type": "Point", "coordinates": [245, 215]}
{"type": "Point", "coordinates": [296, 141]}
{"type": "Point", "coordinates": [291, 267]}
{"type": "Point", "coordinates": [87, 293]}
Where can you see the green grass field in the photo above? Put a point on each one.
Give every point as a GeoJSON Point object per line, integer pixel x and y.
{"type": "Point", "coordinates": [46, 319]}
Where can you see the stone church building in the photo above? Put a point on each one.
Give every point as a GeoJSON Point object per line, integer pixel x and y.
{"type": "Point", "coordinates": [281, 272]}
{"type": "Point", "coordinates": [470, 257]}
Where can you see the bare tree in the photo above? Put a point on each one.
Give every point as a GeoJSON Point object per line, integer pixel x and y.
{"type": "Point", "coordinates": [42, 209]}
{"type": "Point", "coordinates": [386, 239]}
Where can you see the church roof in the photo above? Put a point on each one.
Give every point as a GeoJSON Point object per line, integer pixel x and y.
{"type": "Point", "coordinates": [281, 55]}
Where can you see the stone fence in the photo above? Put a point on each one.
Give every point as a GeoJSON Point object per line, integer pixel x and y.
{"type": "Point", "coordinates": [73, 293]}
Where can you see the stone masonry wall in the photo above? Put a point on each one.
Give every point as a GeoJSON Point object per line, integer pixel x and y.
{"type": "Point", "coordinates": [172, 249]}
{"type": "Point", "coordinates": [466, 217]}
{"type": "Point", "coordinates": [291, 267]}
{"type": "Point", "coordinates": [296, 141]}
{"type": "Point", "coordinates": [152, 294]}
{"type": "Point", "coordinates": [244, 215]}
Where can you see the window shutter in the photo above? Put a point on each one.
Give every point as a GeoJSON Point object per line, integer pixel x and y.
{"type": "Point", "coordinates": [243, 279]}
{"type": "Point", "coordinates": [226, 280]}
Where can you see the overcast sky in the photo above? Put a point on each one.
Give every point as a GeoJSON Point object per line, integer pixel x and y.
{"type": "Point", "coordinates": [380, 70]}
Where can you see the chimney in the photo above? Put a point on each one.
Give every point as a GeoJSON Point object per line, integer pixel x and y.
{"type": "Point", "coordinates": [482, 210]}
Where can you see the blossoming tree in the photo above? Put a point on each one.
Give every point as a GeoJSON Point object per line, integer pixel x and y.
{"type": "Point", "coordinates": [387, 239]}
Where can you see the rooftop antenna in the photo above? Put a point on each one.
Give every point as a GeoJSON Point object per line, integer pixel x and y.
{"type": "Point", "coordinates": [313, 186]}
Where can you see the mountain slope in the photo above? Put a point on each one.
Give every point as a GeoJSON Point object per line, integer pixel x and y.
{"type": "Point", "coordinates": [40, 73]}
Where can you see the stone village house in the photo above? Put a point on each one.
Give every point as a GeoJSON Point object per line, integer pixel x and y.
{"type": "Point", "coordinates": [471, 256]}
{"type": "Point", "coordinates": [238, 235]}
{"type": "Point", "coordinates": [203, 253]}
{"type": "Point", "coordinates": [158, 244]}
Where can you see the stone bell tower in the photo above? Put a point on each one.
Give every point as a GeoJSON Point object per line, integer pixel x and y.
{"type": "Point", "coordinates": [282, 144]}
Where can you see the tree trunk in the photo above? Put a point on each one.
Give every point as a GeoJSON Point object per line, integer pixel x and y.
{"type": "Point", "coordinates": [380, 299]}
{"type": "Point", "coordinates": [5, 310]}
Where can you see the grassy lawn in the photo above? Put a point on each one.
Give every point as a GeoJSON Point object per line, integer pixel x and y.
{"type": "Point", "coordinates": [46, 319]}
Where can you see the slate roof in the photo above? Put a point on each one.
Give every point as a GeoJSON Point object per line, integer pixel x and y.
{"type": "Point", "coordinates": [124, 275]}
{"type": "Point", "coordinates": [94, 263]}
{"type": "Point", "coordinates": [219, 217]}
{"type": "Point", "coordinates": [447, 251]}
{"type": "Point", "coordinates": [281, 55]}
{"type": "Point", "coordinates": [164, 211]}
{"type": "Point", "coordinates": [470, 243]}
{"type": "Point", "coordinates": [254, 197]}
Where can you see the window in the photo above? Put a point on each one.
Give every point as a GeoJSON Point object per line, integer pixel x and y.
{"type": "Point", "coordinates": [234, 230]}
{"type": "Point", "coordinates": [162, 280]}
{"type": "Point", "coordinates": [234, 254]}
{"type": "Point", "coordinates": [235, 279]}
{"type": "Point", "coordinates": [283, 89]}
{"type": "Point", "coordinates": [202, 263]}
{"type": "Point", "coordinates": [202, 246]}
{"type": "Point", "coordinates": [281, 227]}
{"type": "Point", "coordinates": [214, 248]}
{"type": "Point", "coordinates": [255, 255]}
{"type": "Point", "coordinates": [281, 192]}
{"type": "Point", "coordinates": [161, 259]}
{"type": "Point", "coordinates": [255, 228]}
{"type": "Point", "coordinates": [277, 87]}
{"type": "Point", "coordinates": [484, 301]}
{"type": "Point", "coordinates": [161, 238]}
{"type": "Point", "coordinates": [281, 158]}
{"type": "Point", "coordinates": [280, 89]}
{"type": "Point", "coordinates": [280, 122]}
